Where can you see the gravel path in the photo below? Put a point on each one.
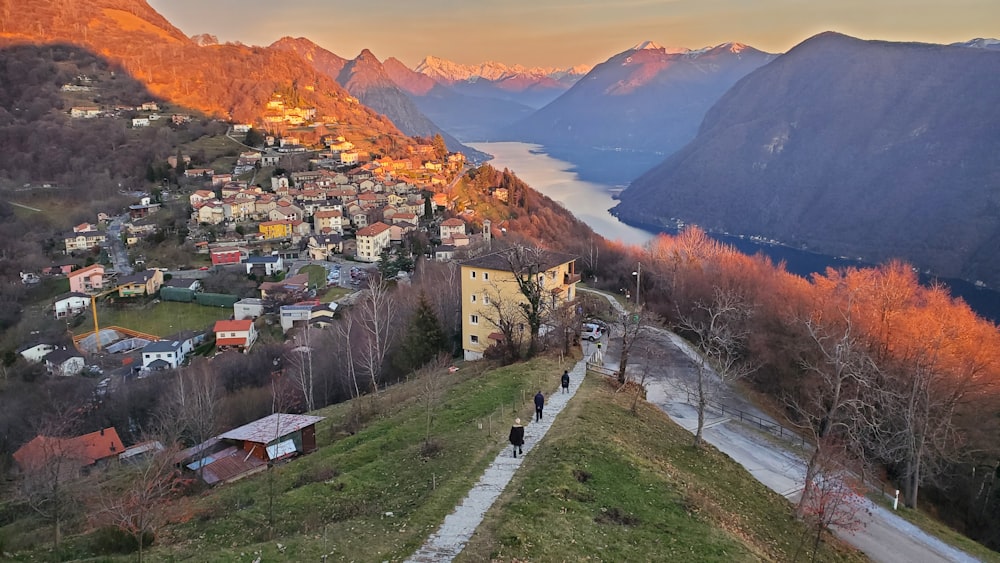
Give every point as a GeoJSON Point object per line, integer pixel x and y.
{"type": "Point", "coordinates": [453, 535]}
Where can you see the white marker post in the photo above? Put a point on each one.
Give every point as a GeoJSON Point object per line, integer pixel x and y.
{"type": "Point", "coordinates": [895, 502]}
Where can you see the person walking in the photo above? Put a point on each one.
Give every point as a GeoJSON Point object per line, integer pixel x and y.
{"type": "Point", "coordinates": [517, 436]}
{"type": "Point", "coordinates": [565, 381]}
{"type": "Point", "coordinates": [539, 403]}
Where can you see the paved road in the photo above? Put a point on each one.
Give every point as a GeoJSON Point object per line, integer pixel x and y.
{"type": "Point", "coordinates": [116, 248]}
{"type": "Point", "coordinates": [885, 538]}
{"type": "Point", "coordinates": [453, 535]}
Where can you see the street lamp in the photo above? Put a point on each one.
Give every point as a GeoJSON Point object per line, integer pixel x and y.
{"type": "Point", "coordinates": [638, 281]}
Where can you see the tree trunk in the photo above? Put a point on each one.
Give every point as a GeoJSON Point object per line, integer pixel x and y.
{"type": "Point", "coordinates": [702, 403]}
{"type": "Point", "coordinates": [808, 486]}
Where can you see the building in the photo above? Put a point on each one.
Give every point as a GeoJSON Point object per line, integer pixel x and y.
{"type": "Point", "coordinates": [64, 361]}
{"type": "Point", "coordinates": [224, 256]}
{"type": "Point", "coordinates": [322, 247]}
{"type": "Point", "coordinates": [248, 308]}
{"type": "Point", "coordinates": [75, 454]}
{"type": "Point", "coordinates": [83, 240]}
{"type": "Point", "coordinates": [71, 303]}
{"type": "Point", "coordinates": [270, 230]}
{"type": "Point", "coordinates": [235, 334]}
{"type": "Point", "coordinates": [329, 219]}
{"type": "Point", "coordinates": [163, 354]}
{"type": "Point", "coordinates": [264, 265]}
{"type": "Point", "coordinates": [147, 282]}
{"type": "Point", "coordinates": [36, 352]}
{"type": "Point", "coordinates": [296, 313]}
{"type": "Point", "coordinates": [87, 280]}
{"type": "Point", "coordinates": [491, 277]}
{"type": "Point", "coordinates": [371, 241]}
{"type": "Point", "coordinates": [451, 227]}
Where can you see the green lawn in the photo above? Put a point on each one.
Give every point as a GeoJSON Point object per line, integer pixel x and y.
{"type": "Point", "coordinates": [334, 293]}
{"type": "Point", "coordinates": [317, 274]}
{"type": "Point", "coordinates": [161, 319]}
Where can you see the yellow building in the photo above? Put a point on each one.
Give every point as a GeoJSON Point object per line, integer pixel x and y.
{"type": "Point", "coordinates": [275, 229]}
{"type": "Point", "coordinates": [490, 279]}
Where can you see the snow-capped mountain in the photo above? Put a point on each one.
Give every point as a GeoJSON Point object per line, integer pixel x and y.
{"type": "Point", "coordinates": [981, 43]}
{"type": "Point", "coordinates": [447, 71]}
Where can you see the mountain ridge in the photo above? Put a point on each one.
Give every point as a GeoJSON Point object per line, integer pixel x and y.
{"type": "Point", "coordinates": [903, 169]}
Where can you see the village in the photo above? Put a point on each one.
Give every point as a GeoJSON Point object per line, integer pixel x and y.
{"type": "Point", "coordinates": [308, 239]}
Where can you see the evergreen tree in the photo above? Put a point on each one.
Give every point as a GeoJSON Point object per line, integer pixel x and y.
{"type": "Point", "coordinates": [440, 148]}
{"type": "Point", "coordinates": [424, 338]}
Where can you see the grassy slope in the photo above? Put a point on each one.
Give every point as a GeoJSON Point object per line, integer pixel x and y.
{"type": "Point", "coordinates": [600, 466]}
{"type": "Point", "coordinates": [162, 319]}
{"type": "Point", "coordinates": [688, 505]}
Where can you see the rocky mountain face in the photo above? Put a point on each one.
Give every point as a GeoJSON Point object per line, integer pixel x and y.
{"type": "Point", "coordinates": [230, 81]}
{"type": "Point", "coordinates": [366, 79]}
{"type": "Point", "coordinates": [629, 112]}
{"type": "Point", "coordinates": [847, 147]}
{"type": "Point", "coordinates": [469, 118]}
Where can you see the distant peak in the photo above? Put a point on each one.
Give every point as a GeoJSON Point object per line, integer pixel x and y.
{"type": "Point", "coordinates": [651, 45]}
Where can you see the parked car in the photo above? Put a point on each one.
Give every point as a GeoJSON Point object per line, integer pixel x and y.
{"type": "Point", "coordinates": [591, 332]}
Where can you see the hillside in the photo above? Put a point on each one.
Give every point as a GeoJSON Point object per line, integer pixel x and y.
{"type": "Point", "coordinates": [847, 147]}
{"type": "Point", "coordinates": [637, 107]}
{"type": "Point", "coordinates": [230, 81]}
{"type": "Point", "coordinates": [365, 78]}
{"type": "Point", "coordinates": [373, 492]}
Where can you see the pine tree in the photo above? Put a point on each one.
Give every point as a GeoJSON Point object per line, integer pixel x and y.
{"type": "Point", "coordinates": [424, 338]}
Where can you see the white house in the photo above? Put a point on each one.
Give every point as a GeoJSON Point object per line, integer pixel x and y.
{"type": "Point", "coordinates": [235, 334]}
{"type": "Point", "coordinates": [371, 241]}
{"type": "Point", "coordinates": [292, 313]}
{"type": "Point", "coordinates": [64, 362]}
{"type": "Point", "coordinates": [71, 303]}
{"type": "Point", "coordinates": [140, 122]}
{"type": "Point", "coordinates": [248, 308]}
{"type": "Point", "coordinates": [268, 265]}
{"type": "Point", "coordinates": [163, 354]}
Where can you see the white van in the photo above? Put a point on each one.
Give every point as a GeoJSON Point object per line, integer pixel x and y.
{"type": "Point", "coordinates": [591, 332]}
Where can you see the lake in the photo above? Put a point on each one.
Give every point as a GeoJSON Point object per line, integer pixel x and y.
{"type": "Point", "coordinates": [590, 202]}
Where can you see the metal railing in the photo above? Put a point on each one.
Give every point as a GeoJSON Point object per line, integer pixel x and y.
{"type": "Point", "coordinates": [749, 418]}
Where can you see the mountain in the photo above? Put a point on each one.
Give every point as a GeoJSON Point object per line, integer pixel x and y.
{"type": "Point", "coordinates": [231, 81]}
{"type": "Point", "coordinates": [533, 87]}
{"type": "Point", "coordinates": [366, 79]}
{"type": "Point", "coordinates": [469, 118]}
{"type": "Point", "coordinates": [848, 147]}
{"type": "Point", "coordinates": [980, 43]}
{"type": "Point", "coordinates": [640, 105]}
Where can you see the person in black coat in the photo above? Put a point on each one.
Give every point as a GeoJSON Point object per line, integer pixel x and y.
{"type": "Point", "coordinates": [517, 436]}
{"type": "Point", "coordinates": [565, 381]}
{"type": "Point", "coordinates": [539, 403]}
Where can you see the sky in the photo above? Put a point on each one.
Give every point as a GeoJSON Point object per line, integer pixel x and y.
{"type": "Point", "coordinates": [564, 33]}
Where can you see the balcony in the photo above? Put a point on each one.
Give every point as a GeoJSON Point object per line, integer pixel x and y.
{"type": "Point", "coordinates": [571, 278]}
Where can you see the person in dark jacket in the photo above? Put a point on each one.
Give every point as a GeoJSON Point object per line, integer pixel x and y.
{"type": "Point", "coordinates": [539, 403]}
{"type": "Point", "coordinates": [565, 381]}
{"type": "Point", "coordinates": [517, 436]}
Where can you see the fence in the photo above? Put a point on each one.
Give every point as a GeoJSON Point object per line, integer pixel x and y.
{"type": "Point", "coordinates": [743, 416]}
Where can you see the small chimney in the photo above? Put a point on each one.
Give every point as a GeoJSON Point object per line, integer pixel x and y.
{"type": "Point", "coordinates": [102, 431]}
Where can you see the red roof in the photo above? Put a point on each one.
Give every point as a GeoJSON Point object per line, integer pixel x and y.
{"type": "Point", "coordinates": [373, 229]}
{"type": "Point", "coordinates": [85, 450]}
{"type": "Point", "coordinates": [233, 326]}
{"type": "Point", "coordinates": [453, 222]}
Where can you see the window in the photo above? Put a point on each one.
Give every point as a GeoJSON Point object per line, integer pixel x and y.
{"type": "Point", "coordinates": [472, 274]}
{"type": "Point", "coordinates": [474, 319]}
{"type": "Point", "coordinates": [474, 339]}
{"type": "Point", "coordinates": [473, 297]}
{"type": "Point", "coordinates": [486, 300]}
{"type": "Point", "coordinates": [486, 275]}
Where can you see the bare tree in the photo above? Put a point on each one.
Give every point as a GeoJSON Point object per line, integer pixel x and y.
{"type": "Point", "coordinates": [719, 335]}
{"type": "Point", "coordinates": [528, 264]}
{"type": "Point", "coordinates": [433, 375]}
{"type": "Point", "coordinates": [346, 330]}
{"type": "Point", "coordinates": [377, 312]}
{"type": "Point", "coordinates": [507, 317]}
{"type": "Point", "coordinates": [134, 502]}
{"type": "Point", "coordinates": [839, 375]}
{"type": "Point", "coordinates": [837, 501]}
{"type": "Point", "coordinates": [50, 464]}
{"type": "Point", "coordinates": [189, 412]}
{"type": "Point", "coordinates": [300, 358]}
{"type": "Point", "coordinates": [634, 329]}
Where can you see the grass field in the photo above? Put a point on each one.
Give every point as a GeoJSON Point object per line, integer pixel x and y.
{"type": "Point", "coordinates": [317, 274]}
{"type": "Point", "coordinates": [162, 319]}
{"type": "Point", "coordinates": [334, 293]}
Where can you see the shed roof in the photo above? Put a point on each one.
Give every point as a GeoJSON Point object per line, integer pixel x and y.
{"type": "Point", "coordinates": [270, 428]}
